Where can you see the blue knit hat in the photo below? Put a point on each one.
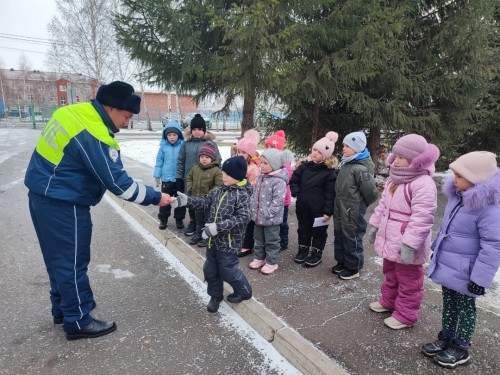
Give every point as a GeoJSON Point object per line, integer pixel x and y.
{"type": "Point", "coordinates": [356, 141]}
{"type": "Point", "coordinates": [236, 167]}
{"type": "Point", "coordinates": [119, 95]}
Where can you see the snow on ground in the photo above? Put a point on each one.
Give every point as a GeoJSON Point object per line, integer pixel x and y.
{"type": "Point", "coordinates": [144, 151]}
{"type": "Point", "coordinates": [229, 318]}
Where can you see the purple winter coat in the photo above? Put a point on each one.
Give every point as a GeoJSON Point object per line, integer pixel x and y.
{"type": "Point", "coordinates": [406, 217]}
{"type": "Point", "coordinates": [268, 198]}
{"type": "Point", "coordinates": [467, 247]}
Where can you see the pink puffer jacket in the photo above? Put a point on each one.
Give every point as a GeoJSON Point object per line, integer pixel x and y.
{"type": "Point", "coordinates": [406, 218]}
{"type": "Point", "coordinates": [253, 172]}
{"type": "Point", "coordinates": [288, 197]}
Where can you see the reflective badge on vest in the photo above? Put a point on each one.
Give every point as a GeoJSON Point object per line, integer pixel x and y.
{"type": "Point", "coordinates": [113, 154]}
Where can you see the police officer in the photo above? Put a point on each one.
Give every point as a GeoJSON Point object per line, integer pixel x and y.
{"type": "Point", "coordinates": [75, 161]}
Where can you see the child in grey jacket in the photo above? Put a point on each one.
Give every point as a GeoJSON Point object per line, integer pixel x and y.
{"type": "Point", "coordinates": [268, 200]}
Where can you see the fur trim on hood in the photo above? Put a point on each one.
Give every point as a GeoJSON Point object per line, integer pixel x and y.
{"type": "Point", "coordinates": [486, 193]}
{"type": "Point", "coordinates": [209, 136]}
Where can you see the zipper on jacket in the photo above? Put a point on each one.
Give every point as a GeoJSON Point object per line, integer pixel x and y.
{"type": "Point", "coordinates": [258, 201]}
{"type": "Point", "coordinates": [451, 215]}
{"type": "Point", "coordinates": [216, 212]}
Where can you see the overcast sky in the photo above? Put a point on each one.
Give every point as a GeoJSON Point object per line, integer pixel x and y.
{"type": "Point", "coordinates": [23, 29]}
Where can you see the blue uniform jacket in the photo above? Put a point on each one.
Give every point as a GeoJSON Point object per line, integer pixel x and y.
{"type": "Point", "coordinates": [77, 159]}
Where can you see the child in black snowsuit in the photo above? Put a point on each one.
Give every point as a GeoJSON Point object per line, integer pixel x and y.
{"type": "Point", "coordinates": [313, 184]}
{"type": "Point", "coordinates": [229, 215]}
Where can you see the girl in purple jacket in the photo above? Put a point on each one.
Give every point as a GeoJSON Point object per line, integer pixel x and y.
{"type": "Point", "coordinates": [466, 252]}
{"type": "Point", "coordinates": [401, 228]}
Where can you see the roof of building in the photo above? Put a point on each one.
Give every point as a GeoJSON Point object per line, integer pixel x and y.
{"type": "Point", "coordinates": [37, 75]}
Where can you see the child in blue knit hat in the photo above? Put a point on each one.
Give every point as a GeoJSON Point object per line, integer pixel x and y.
{"type": "Point", "coordinates": [355, 190]}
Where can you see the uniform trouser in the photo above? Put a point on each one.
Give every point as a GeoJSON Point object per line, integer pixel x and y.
{"type": "Point", "coordinates": [402, 290]}
{"type": "Point", "coordinates": [222, 266]}
{"type": "Point", "coordinates": [267, 243]}
{"type": "Point", "coordinates": [180, 212]}
{"type": "Point", "coordinates": [248, 241]}
{"type": "Point", "coordinates": [284, 229]}
{"type": "Point", "coordinates": [348, 243]}
{"type": "Point", "coordinates": [64, 232]}
{"type": "Point", "coordinates": [459, 314]}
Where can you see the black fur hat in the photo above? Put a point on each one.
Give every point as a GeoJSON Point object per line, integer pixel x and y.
{"type": "Point", "coordinates": [119, 95]}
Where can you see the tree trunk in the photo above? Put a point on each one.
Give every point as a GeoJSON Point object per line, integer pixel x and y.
{"type": "Point", "coordinates": [248, 112]}
{"type": "Point", "coordinates": [374, 145]}
{"type": "Point", "coordinates": [145, 106]}
{"type": "Point", "coordinates": [315, 125]}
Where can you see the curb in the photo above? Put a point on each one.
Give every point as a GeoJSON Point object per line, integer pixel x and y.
{"type": "Point", "coordinates": [300, 352]}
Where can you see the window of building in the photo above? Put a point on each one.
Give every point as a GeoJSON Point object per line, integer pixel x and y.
{"type": "Point", "coordinates": [41, 88]}
{"type": "Point", "coordinates": [63, 100]}
{"type": "Point", "coordinates": [29, 87]}
{"type": "Point", "coordinates": [53, 99]}
{"type": "Point", "coordinates": [87, 90]}
{"type": "Point", "coordinates": [29, 98]}
{"type": "Point", "coordinates": [53, 88]}
{"type": "Point", "coordinates": [62, 88]}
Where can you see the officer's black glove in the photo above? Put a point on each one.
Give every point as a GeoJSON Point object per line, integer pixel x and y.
{"type": "Point", "coordinates": [475, 289]}
{"type": "Point", "coordinates": [179, 184]}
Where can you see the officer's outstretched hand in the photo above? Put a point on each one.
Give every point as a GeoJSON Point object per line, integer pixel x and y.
{"type": "Point", "coordinates": [165, 199]}
{"type": "Point", "coordinates": [180, 200]}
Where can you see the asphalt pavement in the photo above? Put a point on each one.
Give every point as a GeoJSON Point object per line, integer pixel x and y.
{"type": "Point", "coordinates": [319, 323]}
{"type": "Point", "coordinates": [333, 314]}
{"type": "Point", "coordinates": [159, 307]}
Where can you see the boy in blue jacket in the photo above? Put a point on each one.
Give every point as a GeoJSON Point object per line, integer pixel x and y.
{"type": "Point", "coordinates": [164, 172]}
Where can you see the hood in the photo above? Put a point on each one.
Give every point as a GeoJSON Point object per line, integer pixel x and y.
{"type": "Point", "coordinates": [170, 127]}
{"type": "Point", "coordinates": [211, 165]}
{"type": "Point", "coordinates": [280, 173]}
{"type": "Point", "coordinates": [366, 161]}
{"type": "Point", "coordinates": [486, 193]}
{"type": "Point", "coordinates": [243, 184]}
{"type": "Point", "coordinates": [209, 136]}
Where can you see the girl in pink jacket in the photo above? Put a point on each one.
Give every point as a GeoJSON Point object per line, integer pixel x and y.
{"type": "Point", "coordinates": [247, 147]}
{"type": "Point", "coordinates": [401, 229]}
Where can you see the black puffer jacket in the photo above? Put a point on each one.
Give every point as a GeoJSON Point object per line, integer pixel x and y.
{"type": "Point", "coordinates": [314, 187]}
{"type": "Point", "coordinates": [230, 209]}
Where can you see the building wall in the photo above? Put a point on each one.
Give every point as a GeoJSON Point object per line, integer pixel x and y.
{"type": "Point", "coordinates": [161, 104]}
{"type": "Point", "coordinates": [22, 89]}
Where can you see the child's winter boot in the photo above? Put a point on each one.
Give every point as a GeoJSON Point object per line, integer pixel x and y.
{"type": "Point", "coordinates": [455, 355]}
{"type": "Point", "coordinates": [442, 343]}
{"type": "Point", "coordinates": [302, 254]}
{"type": "Point", "coordinates": [163, 224]}
{"type": "Point", "coordinates": [213, 304]}
{"type": "Point", "coordinates": [314, 258]}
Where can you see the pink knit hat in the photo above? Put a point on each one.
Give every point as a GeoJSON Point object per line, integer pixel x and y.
{"type": "Point", "coordinates": [276, 140]}
{"type": "Point", "coordinates": [476, 166]}
{"type": "Point", "coordinates": [326, 145]}
{"type": "Point", "coordinates": [249, 142]}
{"type": "Point", "coordinates": [416, 150]}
